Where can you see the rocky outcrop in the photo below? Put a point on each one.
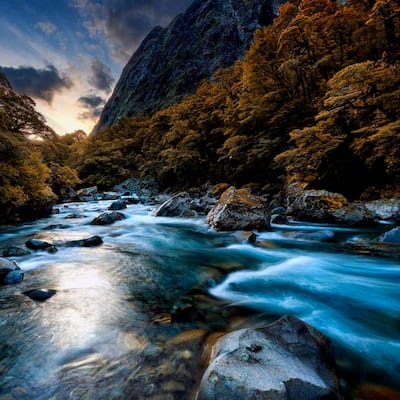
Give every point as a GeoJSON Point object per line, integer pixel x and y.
{"type": "Point", "coordinates": [238, 209]}
{"type": "Point", "coordinates": [287, 360]}
{"type": "Point", "coordinates": [170, 63]}
{"type": "Point", "coordinates": [108, 218]}
{"type": "Point", "coordinates": [142, 189]}
{"type": "Point", "coordinates": [179, 205]}
{"type": "Point", "coordinates": [87, 194]}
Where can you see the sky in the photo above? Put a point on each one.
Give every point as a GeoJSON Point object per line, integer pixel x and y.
{"type": "Point", "coordinates": [68, 54]}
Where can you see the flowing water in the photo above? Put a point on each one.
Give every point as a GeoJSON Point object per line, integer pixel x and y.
{"type": "Point", "coordinates": [88, 341]}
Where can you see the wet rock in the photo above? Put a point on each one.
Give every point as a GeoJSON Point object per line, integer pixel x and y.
{"type": "Point", "coordinates": [35, 244]}
{"type": "Point", "coordinates": [56, 226]}
{"type": "Point", "coordinates": [108, 218]}
{"type": "Point", "coordinates": [279, 219]}
{"type": "Point", "coordinates": [245, 236]}
{"type": "Point", "coordinates": [144, 189]}
{"type": "Point", "coordinates": [10, 272]}
{"type": "Point", "coordinates": [386, 209]}
{"type": "Point", "coordinates": [68, 195]}
{"type": "Point", "coordinates": [14, 251]}
{"type": "Point", "coordinates": [237, 209]}
{"type": "Point", "coordinates": [392, 236]}
{"type": "Point", "coordinates": [316, 236]}
{"type": "Point", "coordinates": [313, 205]}
{"type": "Point", "coordinates": [87, 194]}
{"type": "Point", "coordinates": [89, 242]}
{"type": "Point", "coordinates": [75, 216]}
{"type": "Point", "coordinates": [110, 196]}
{"type": "Point", "coordinates": [117, 205]}
{"type": "Point", "coordinates": [287, 360]}
{"type": "Point", "coordinates": [179, 205]}
{"type": "Point", "coordinates": [355, 214]}
{"type": "Point", "coordinates": [40, 294]}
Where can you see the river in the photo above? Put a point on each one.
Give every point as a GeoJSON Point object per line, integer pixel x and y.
{"type": "Point", "coordinates": [88, 341]}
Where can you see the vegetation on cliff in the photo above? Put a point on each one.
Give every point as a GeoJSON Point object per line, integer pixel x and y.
{"type": "Point", "coordinates": [315, 101]}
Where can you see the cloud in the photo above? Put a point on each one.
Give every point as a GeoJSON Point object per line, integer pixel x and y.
{"type": "Point", "coordinates": [38, 83]}
{"type": "Point", "coordinates": [91, 101]}
{"type": "Point", "coordinates": [101, 77]}
{"type": "Point", "coordinates": [47, 27]}
{"type": "Point", "coordinates": [125, 23]}
{"type": "Point", "coordinates": [93, 105]}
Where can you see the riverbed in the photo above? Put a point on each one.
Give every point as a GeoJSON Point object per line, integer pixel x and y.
{"type": "Point", "coordinates": [105, 332]}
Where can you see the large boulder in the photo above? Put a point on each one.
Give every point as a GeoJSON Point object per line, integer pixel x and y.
{"type": "Point", "coordinates": [386, 209]}
{"type": "Point", "coordinates": [287, 360]}
{"type": "Point", "coordinates": [108, 218]}
{"type": "Point", "coordinates": [238, 209]}
{"type": "Point", "coordinates": [313, 205]}
{"type": "Point", "coordinates": [392, 236]}
{"type": "Point", "coordinates": [10, 272]}
{"type": "Point", "coordinates": [67, 195]}
{"type": "Point", "coordinates": [144, 189]}
{"type": "Point", "coordinates": [179, 205]}
{"type": "Point", "coordinates": [354, 214]}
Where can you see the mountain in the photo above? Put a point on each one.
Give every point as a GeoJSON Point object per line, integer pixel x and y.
{"type": "Point", "coordinates": [170, 63]}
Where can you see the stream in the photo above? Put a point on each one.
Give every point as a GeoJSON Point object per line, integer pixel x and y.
{"type": "Point", "coordinates": [103, 334]}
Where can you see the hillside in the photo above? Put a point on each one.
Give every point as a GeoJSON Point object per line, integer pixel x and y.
{"type": "Point", "coordinates": [171, 62]}
{"type": "Point", "coordinates": [314, 102]}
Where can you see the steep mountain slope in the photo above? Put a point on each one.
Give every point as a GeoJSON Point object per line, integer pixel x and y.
{"type": "Point", "coordinates": [171, 62]}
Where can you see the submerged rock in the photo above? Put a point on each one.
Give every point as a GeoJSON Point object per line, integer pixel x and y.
{"type": "Point", "coordinates": [108, 218]}
{"type": "Point", "coordinates": [287, 360]}
{"type": "Point", "coordinates": [40, 294]}
{"type": "Point", "coordinates": [392, 236]}
{"type": "Point", "coordinates": [89, 242]}
{"type": "Point", "coordinates": [179, 205]}
{"type": "Point", "coordinates": [10, 272]}
{"type": "Point", "coordinates": [238, 209]}
{"type": "Point", "coordinates": [117, 205]}
{"type": "Point", "coordinates": [14, 251]}
{"type": "Point", "coordinates": [35, 244]}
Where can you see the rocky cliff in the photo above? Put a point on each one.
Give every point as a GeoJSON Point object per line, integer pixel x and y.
{"type": "Point", "coordinates": [171, 62]}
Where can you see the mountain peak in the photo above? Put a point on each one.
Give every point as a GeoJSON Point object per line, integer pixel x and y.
{"type": "Point", "coordinates": [171, 62]}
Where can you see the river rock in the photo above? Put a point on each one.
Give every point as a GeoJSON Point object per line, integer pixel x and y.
{"type": "Point", "coordinates": [110, 196]}
{"type": "Point", "coordinates": [179, 205]}
{"type": "Point", "coordinates": [117, 205]}
{"type": "Point", "coordinates": [10, 272]}
{"type": "Point", "coordinates": [313, 236]}
{"type": "Point", "coordinates": [14, 251]}
{"type": "Point", "coordinates": [108, 218]}
{"type": "Point", "coordinates": [354, 214]}
{"type": "Point", "coordinates": [87, 194]}
{"type": "Point", "coordinates": [40, 294]}
{"type": "Point", "coordinates": [89, 242]}
{"type": "Point", "coordinates": [145, 189]}
{"type": "Point", "coordinates": [287, 360]}
{"type": "Point", "coordinates": [313, 205]}
{"type": "Point", "coordinates": [35, 244]}
{"type": "Point", "coordinates": [68, 195]}
{"type": "Point", "coordinates": [386, 209]}
{"type": "Point", "coordinates": [75, 216]}
{"type": "Point", "coordinates": [238, 209]}
{"type": "Point", "coordinates": [279, 219]}
{"type": "Point", "coordinates": [392, 236]}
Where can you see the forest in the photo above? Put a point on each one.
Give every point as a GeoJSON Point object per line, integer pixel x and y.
{"type": "Point", "coordinates": [315, 101]}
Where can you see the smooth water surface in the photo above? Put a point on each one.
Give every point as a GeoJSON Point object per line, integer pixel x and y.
{"type": "Point", "coordinates": [86, 342]}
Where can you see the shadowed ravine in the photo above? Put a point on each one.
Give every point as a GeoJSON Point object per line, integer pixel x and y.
{"type": "Point", "coordinates": [107, 331]}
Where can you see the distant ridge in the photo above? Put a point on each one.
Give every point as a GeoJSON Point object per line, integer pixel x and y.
{"type": "Point", "coordinates": [171, 62]}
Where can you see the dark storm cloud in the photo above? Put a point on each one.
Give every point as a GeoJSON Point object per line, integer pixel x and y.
{"type": "Point", "coordinates": [101, 77]}
{"type": "Point", "coordinates": [90, 101]}
{"type": "Point", "coordinates": [126, 22]}
{"type": "Point", "coordinates": [38, 83]}
{"type": "Point", "coordinates": [92, 115]}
